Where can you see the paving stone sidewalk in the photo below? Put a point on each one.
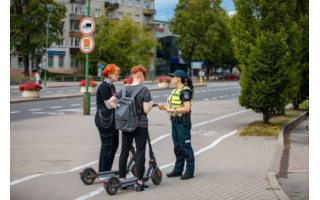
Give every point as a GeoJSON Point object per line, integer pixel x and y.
{"type": "Point", "coordinates": [295, 182]}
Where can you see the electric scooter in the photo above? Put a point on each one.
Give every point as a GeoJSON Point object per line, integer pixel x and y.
{"type": "Point", "coordinates": [88, 175]}
{"type": "Point", "coordinates": [112, 183]}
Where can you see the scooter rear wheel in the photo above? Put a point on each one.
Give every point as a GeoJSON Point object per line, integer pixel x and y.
{"type": "Point", "coordinates": [112, 186]}
{"type": "Point", "coordinates": [156, 176]}
{"type": "Point", "coordinates": [88, 176]}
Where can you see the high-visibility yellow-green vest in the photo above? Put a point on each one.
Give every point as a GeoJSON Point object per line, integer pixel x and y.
{"type": "Point", "coordinates": [175, 100]}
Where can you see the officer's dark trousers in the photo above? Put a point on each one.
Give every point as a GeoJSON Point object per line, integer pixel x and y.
{"type": "Point", "coordinates": [109, 145]}
{"type": "Point", "coordinates": [140, 135]}
{"type": "Point", "coordinates": [181, 137]}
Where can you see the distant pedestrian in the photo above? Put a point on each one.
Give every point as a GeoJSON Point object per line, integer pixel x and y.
{"type": "Point", "coordinates": [143, 104]}
{"type": "Point", "coordinates": [37, 77]}
{"type": "Point", "coordinates": [179, 109]}
{"type": "Point", "coordinates": [104, 118]}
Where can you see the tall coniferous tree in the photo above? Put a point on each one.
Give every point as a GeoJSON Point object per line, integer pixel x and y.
{"type": "Point", "coordinates": [267, 45]}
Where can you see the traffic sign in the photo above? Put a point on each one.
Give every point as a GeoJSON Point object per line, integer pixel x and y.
{"type": "Point", "coordinates": [87, 26]}
{"type": "Point", "coordinates": [86, 44]}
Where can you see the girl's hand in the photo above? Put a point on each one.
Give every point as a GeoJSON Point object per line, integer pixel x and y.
{"type": "Point", "coordinates": [161, 106]}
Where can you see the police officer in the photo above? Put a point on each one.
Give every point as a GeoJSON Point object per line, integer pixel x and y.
{"type": "Point", "coordinates": [179, 109]}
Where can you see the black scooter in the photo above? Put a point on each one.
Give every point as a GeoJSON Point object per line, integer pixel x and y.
{"type": "Point", "coordinates": [112, 183]}
{"type": "Point", "coordinates": [88, 175]}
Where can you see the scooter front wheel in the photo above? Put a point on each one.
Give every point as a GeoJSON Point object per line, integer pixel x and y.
{"type": "Point", "coordinates": [88, 176]}
{"type": "Point", "coordinates": [112, 186]}
{"type": "Point", "coordinates": [156, 176]}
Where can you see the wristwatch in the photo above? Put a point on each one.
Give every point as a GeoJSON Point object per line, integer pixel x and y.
{"type": "Point", "coordinates": [175, 110]}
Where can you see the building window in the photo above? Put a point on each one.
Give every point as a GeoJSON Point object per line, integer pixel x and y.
{"type": "Point", "coordinates": [74, 62]}
{"type": "Point", "coordinates": [147, 5]}
{"type": "Point", "coordinates": [137, 18]}
{"type": "Point", "coordinates": [129, 2]}
{"type": "Point", "coordinates": [63, 27]}
{"type": "Point", "coordinates": [137, 3]}
{"type": "Point", "coordinates": [50, 61]}
{"type": "Point", "coordinates": [147, 19]}
{"type": "Point", "coordinates": [74, 25]}
{"type": "Point", "coordinates": [74, 42]}
{"type": "Point", "coordinates": [98, 12]}
{"type": "Point", "coordinates": [62, 43]}
{"type": "Point", "coordinates": [20, 62]}
{"type": "Point", "coordinates": [121, 2]}
{"type": "Point", "coordinates": [120, 15]}
{"type": "Point", "coordinates": [77, 9]}
{"type": "Point", "coordinates": [110, 14]}
{"type": "Point", "coordinates": [61, 61]}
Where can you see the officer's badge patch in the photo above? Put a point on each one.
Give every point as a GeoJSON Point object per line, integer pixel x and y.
{"type": "Point", "coordinates": [186, 96]}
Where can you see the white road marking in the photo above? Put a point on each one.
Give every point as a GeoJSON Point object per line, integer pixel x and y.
{"type": "Point", "coordinates": [14, 112]}
{"type": "Point", "coordinates": [76, 104]}
{"type": "Point", "coordinates": [36, 109]}
{"type": "Point", "coordinates": [54, 107]}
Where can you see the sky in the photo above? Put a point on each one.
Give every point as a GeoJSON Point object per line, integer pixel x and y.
{"type": "Point", "coordinates": [165, 8]}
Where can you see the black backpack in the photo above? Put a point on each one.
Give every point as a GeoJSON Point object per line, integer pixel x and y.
{"type": "Point", "coordinates": [125, 112]}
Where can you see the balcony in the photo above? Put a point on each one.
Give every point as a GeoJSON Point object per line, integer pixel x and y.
{"type": "Point", "coordinates": [75, 34]}
{"type": "Point", "coordinates": [111, 6]}
{"type": "Point", "coordinates": [78, 1]}
{"type": "Point", "coordinates": [74, 51]}
{"type": "Point", "coordinates": [149, 11]}
{"type": "Point", "coordinates": [111, 21]}
{"type": "Point", "coordinates": [76, 17]}
{"type": "Point", "coordinates": [151, 26]}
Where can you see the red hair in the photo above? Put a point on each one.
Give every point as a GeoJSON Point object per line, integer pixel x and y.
{"type": "Point", "coordinates": [139, 68]}
{"type": "Point", "coordinates": [110, 69]}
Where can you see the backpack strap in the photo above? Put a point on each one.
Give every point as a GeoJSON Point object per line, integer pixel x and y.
{"type": "Point", "coordinates": [123, 92]}
{"type": "Point", "coordinates": [135, 92]}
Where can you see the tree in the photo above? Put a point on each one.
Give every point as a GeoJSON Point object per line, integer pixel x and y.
{"type": "Point", "coordinates": [301, 92]}
{"type": "Point", "coordinates": [125, 43]}
{"type": "Point", "coordinates": [28, 25]}
{"type": "Point", "coordinates": [268, 50]}
{"type": "Point", "coordinates": [204, 31]}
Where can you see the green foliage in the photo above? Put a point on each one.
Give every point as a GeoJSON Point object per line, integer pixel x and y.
{"type": "Point", "coordinates": [28, 26]}
{"type": "Point", "coordinates": [125, 44]}
{"type": "Point", "coordinates": [269, 52]}
{"type": "Point", "coordinates": [203, 27]}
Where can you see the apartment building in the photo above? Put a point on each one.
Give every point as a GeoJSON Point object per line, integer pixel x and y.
{"type": "Point", "coordinates": [62, 56]}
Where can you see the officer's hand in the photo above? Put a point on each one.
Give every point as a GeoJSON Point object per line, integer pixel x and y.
{"type": "Point", "coordinates": [160, 106]}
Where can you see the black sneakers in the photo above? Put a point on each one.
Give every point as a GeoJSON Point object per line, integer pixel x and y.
{"type": "Point", "coordinates": [186, 176]}
{"type": "Point", "coordinates": [142, 187]}
{"type": "Point", "coordinates": [173, 174]}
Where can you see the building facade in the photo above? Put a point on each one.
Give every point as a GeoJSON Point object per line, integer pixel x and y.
{"type": "Point", "coordinates": [62, 56]}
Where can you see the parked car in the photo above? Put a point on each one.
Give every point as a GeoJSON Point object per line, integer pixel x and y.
{"type": "Point", "coordinates": [232, 76]}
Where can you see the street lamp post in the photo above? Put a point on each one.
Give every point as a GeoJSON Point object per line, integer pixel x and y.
{"type": "Point", "coordinates": [51, 8]}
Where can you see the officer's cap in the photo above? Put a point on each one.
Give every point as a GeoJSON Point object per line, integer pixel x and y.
{"type": "Point", "coordinates": [180, 73]}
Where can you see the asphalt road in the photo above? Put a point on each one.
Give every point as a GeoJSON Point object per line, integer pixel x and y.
{"type": "Point", "coordinates": [36, 109]}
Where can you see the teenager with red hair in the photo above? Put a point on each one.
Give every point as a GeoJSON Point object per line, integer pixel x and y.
{"type": "Point", "coordinates": [104, 118]}
{"type": "Point", "coordinates": [143, 103]}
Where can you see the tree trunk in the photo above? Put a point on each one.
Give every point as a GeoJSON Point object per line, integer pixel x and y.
{"type": "Point", "coordinates": [265, 118]}
{"type": "Point", "coordinates": [26, 65]}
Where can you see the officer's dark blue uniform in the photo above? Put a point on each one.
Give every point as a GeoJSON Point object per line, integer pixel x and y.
{"type": "Point", "coordinates": [181, 133]}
